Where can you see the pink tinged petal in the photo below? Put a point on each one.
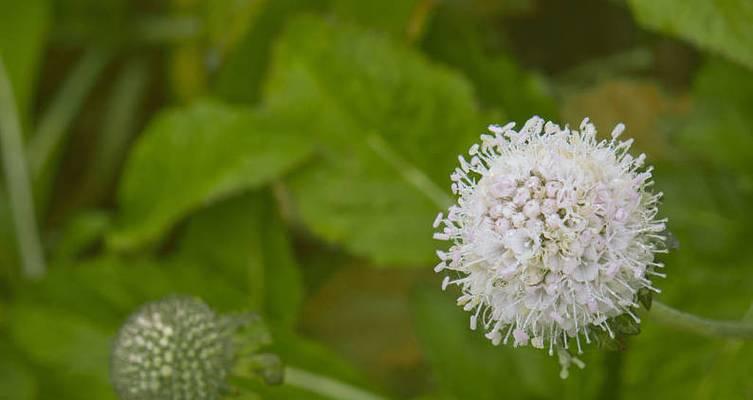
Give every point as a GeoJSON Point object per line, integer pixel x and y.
{"type": "Point", "coordinates": [521, 338]}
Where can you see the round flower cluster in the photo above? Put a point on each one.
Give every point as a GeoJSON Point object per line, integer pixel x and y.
{"type": "Point", "coordinates": [554, 233]}
{"type": "Point", "coordinates": [175, 349]}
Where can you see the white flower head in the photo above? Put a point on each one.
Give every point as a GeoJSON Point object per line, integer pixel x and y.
{"type": "Point", "coordinates": [553, 235]}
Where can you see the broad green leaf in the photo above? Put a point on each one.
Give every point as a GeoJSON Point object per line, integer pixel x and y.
{"type": "Point", "coordinates": [244, 239]}
{"type": "Point", "coordinates": [707, 192]}
{"type": "Point", "coordinates": [16, 380]}
{"type": "Point", "coordinates": [71, 352]}
{"type": "Point", "coordinates": [75, 343]}
{"type": "Point", "coordinates": [708, 186]}
{"type": "Point", "coordinates": [82, 232]}
{"type": "Point", "coordinates": [467, 366]}
{"type": "Point", "coordinates": [663, 362]}
{"type": "Point", "coordinates": [720, 26]}
{"type": "Point", "coordinates": [718, 129]}
{"type": "Point", "coordinates": [390, 126]}
{"type": "Point", "coordinates": [189, 157]}
{"type": "Point", "coordinates": [107, 289]}
{"type": "Point", "coordinates": [23, 25]}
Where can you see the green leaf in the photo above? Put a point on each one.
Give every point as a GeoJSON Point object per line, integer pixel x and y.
{"type": "Point", "coordinates": [71, 352]}
{"type": "Point", "coordinates": [107, 289]}
{"type": "Point", "coordinates": [467, 366]}
{"type": "Point", "coordinates": [192, 156]}
{"type": "Point", "coordinates": [390, 125]}
{"type": "Point", "coordinates": [721, 26]}
{"type": "Point", "coordinates": [707, 186]}
{"type": "Point", "coordinates": [16, 380]}
{"type": "Point", "coordinates": [75, 343]}
{"type": "Point", "coordinates": [23, 25]}
{"type": "Point", "coordinates": [83, 231]}
{"type": "Point", "coordinates": [668, 363]}
{"type": "Point", "coordinates": [244, 239]}
{"type": "Point", "coordinates": [719, 127]}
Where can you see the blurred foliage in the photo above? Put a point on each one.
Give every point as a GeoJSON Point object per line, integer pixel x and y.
{"type": "Point", "coordinates": [721, 26]}
{"type": "Point", "coordinates": [288, 156]}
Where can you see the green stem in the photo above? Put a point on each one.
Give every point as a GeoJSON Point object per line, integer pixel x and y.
{"type": "Point", "coordinates": [702, 326]}
{"type": "Point", "coordinates": [119, 125]}
{"type": "Point", "coordinates": [324, 386]}
{"type": "Point", "coordinates": [17, 179]}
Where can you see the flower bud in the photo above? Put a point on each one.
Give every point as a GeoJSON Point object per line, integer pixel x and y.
{"type": "Point", "coordinates": [175, 348]}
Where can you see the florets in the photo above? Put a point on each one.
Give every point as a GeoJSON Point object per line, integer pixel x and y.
{"type": "Point", "coordinates": [553, 235]}
{"type": "Point", "coordinates": [177, 348]}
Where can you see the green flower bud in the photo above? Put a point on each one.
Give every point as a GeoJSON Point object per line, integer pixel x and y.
{"type": "Point", "coordinates": [176, 349]}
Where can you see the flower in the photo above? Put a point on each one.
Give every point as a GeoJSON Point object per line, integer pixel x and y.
{"type": "Point", "coordinates": [553, 235]}
{"type": "Point", "coordinates": [176, 348]}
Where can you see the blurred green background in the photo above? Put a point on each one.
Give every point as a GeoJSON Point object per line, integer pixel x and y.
{"type": "Point", "coordinates": [283, 156]}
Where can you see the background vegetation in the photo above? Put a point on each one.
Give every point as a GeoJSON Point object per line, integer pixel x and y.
{"type": "Point", "coordinates": [283, 156]}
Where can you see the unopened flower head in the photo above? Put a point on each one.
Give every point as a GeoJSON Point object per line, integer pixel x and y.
{"type": "Point", "coordinates": [553, 235]}
{"type": "Point", "coordinates": [177, 348]}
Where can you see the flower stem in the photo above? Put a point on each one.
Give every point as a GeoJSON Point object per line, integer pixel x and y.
{"type": "Point", "coordinates": [17, 179]}
{"type": "Point", "coordinates": [702, 326]}
{"type": "Point", "coordinates": [324, 386]}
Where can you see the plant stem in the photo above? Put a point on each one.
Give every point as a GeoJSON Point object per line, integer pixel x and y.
{"type": "Point", "coordinates": [17, 179]}
{"type": "Point", "coordinates": [324, 386]}
{"type": "Point", "coordinates": [702, 326]}
{"type": "Point", "coordinates": [118, 127]}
